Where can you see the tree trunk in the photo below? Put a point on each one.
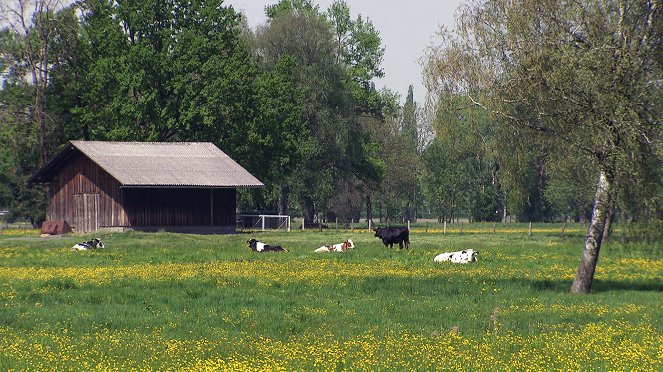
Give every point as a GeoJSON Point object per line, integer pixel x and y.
{"type": "Point", "coordinates": [505, 199]}
{"type": "Point", "coordinates": [309, 209]}
{"type": "Point", "coordinates": [585, 275]}
{"type": "Point", "coordinates": [369, 208]}
{"type": "Point", "coordinates": [284, 200]}
{"type": "Point", "coordinates": [414, 203]}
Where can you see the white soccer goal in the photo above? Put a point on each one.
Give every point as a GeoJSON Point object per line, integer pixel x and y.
{"type": "Point", "coordinates": [265, 221]}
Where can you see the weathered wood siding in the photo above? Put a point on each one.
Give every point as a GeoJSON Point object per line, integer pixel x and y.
{"type": "Point", "coordinates": [86, 196]}
{"type": "Point", "coordinates": [180, 206]}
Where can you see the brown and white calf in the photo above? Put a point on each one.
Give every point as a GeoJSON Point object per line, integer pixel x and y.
{"type": "Point", "coordinates": [340, 247]}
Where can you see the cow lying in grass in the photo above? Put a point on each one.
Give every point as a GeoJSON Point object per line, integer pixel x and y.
{"type": "Point", "coordinates": [95, 243]}
{"type": "Point", "coordinates": [465, 256]}
{"type": "Point", "coordinates": [257, 246]}
{"type": "Point", "coordinates": [340, 247]}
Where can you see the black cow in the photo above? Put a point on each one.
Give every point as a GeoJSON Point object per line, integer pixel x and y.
{"type": "Point", "coordinates": [262, 247]}
{"type": "Point", "coordinates": [393, 235]}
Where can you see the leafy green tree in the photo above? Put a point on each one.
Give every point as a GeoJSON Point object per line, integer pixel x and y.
{"type": "Point", "coordinates": [358, 48]}
{"type": "Point", "coordinates": [279, 135]}
{"type": "Point", "coordinates": [441, 184]}
{"type": "Point", "coordinates": [26, 51]}
{"type": "Point", "coordinates": [585, 75]}
{"type": "Point", "coordinates": [411, 136]}
{"type": "Point", "coordinates": [19, 154]}
{"type": "Point", "coordinates": [29, 54]}
{"type": "Point", "coordinates": [291, 6]}
{"type": "Point", "coordinates": [159, 71]}
{"type": "Point", "coordinates": [460, 176]}
{"type": "Point", "coordinates": [334, 143]}
{"type": "Point", "coordinates": [569, 186]}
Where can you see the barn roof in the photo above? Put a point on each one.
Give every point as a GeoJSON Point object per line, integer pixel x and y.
{"type": "Point", "coordinates": [157, 164]}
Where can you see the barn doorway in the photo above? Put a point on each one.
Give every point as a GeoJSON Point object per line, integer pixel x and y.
{"type": "Point", "coordinates": [86, 212]}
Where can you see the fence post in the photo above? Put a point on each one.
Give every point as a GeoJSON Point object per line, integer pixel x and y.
{"type": "Point", "coordinates": [408, 224]}
{"type": "Point", "coordinates": [529, 229]}
{"type": "Point", "coordinates": [263, 222]}
{"type": "Point", "coordinates": [461, 227]}
{"type": "Point", "coordinates": [352, 224]}
{"type": "Point", "coordinates": [303, 223]}
{"type": "Point", "coordinates": [494, 228]}
{"type": "Point", "coordinates": [563, 228]}
{"type": "Point", "coordinates": [369, 224]}
{"type": "Point", "coordinates": [445, 227]}
{"type": "Point", "coordinates": [336, 223]}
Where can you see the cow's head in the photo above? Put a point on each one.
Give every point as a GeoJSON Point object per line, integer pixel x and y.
{"type": "Point", "coordinates": [251, 243]}
{"type": "Point", "coordinates": [377, 231]}
{"type": "Point", "coordinates": [348, 244]}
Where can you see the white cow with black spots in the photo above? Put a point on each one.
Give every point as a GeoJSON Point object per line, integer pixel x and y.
{"type": "Point", "coordinates": [464, 256]}
{"type": "Point", "coordinates": [95, 243]}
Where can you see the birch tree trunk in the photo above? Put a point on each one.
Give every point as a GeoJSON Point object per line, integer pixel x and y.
{"type": "Point", "coordinates": [585, 275]}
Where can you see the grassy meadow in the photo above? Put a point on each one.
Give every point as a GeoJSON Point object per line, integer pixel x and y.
{"type": "Point", "coordinates": [166, 301]}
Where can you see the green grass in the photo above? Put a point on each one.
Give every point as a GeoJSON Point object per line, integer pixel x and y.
{"type": "Point", "coordinates": [175, 301]}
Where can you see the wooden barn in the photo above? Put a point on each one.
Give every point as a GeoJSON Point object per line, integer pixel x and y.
{"type": "Point", "coordinates": [149, 186]}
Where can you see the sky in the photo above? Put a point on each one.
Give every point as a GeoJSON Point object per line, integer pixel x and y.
{"type": "Point", "coordinates": [406, 28]}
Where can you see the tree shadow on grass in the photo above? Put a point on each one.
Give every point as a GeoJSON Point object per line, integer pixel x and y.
{"type": "Point", "coordinates": [599, 286]}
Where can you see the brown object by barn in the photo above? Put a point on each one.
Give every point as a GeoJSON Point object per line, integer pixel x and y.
{"type": "Point", "coordinates": [174, 186]}
{"type": "Point", "coordinates": [55, 227]}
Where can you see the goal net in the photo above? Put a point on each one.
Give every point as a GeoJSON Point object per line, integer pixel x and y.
{"type": "Point", "coordinates": [264, 222]}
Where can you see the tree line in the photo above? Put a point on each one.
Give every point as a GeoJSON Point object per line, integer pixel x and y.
{"type": "Point", "coordinates": [524, 106]}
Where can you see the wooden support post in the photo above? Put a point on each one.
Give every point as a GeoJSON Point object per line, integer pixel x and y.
{"type": "Point", "coordinates": [529, 229]}
{"type": "Point", "coordinates": [444, 231]}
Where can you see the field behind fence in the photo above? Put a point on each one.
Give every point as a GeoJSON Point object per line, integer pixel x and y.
{"type": "Point", "coordinates": [434, 227]}
{"type": "Point", "coordinates": [164, 301]}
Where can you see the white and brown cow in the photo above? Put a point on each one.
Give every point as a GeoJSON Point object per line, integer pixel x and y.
{"type": "Point", "coordinates": [340, 247]}
{"type": "Point", "coordinates": [464, 256]}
